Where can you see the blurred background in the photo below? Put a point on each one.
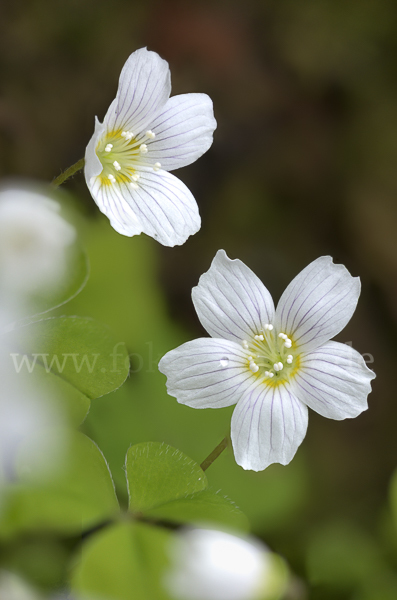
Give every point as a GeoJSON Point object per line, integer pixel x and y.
{"type": "Point", "coordinates": [303, 164]}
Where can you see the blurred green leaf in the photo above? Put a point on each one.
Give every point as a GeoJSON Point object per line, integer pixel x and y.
{"type": "Point", "coordinates": [123, 562]}
{"type": "Point", "coordinates": [166, 484]}
{"type": "Point", "coordinates": [158, 473]}
{"type": "Point", "coordinates": [201, 508]}
{"type": "Point", "coordinates": [75, 494]}
{"type": "Point", "coordinates": [76, 358]}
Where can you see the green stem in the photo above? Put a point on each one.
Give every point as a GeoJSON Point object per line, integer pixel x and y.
{"type": "Point", "coordinates": [68, 173]}
{"type": "Point", "coordinates": [215, 453]}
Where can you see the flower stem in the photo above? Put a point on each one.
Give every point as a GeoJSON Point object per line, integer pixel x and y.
{"type": "Point", "coordinates": [68, 173]}
{"type": "Point", "coordinates": [215, 453]}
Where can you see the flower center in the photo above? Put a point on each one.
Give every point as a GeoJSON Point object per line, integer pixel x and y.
{"type": "Point", "coordinates": [121, 154]}
{"type": "Point", "coordinates": [270, 355]}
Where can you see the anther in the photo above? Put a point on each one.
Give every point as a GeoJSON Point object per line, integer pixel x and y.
{"type": "Point", "coordinates": [128, 135]}
{"type": "Point", "coordinates": [112, 178]}
{"type": "Point", "coordinates": [134, 185]}
{"type": "Point", "coordinates": [245, 344]}
{"type": "Point", "coordinates": [157, 166]}
{"type": "Point", "coordinates": [290, 358]}
{"type": "Point", "coordinates": [108, 147]}
{"type": "Point", "coordinates": [117, 165]}
{"type": "Point", "coordinates": [287, 343]}
{"type": "Point", "coordinates": [254, 367]}
{"type": "Point", "coordinates": [269, 326]}
{"type": "Point", "coordinates": [282, 336]}
{"type": "Point", "coordinates": [150, 134]}
{"type": "Point", "coordinates": [278, 366]}
{"type": "Point", "coordinates": [135, 176]}
{"type": "Point", "coordinates": [143, 149]}
{"type": "Point", "coordinates": [259, 338]}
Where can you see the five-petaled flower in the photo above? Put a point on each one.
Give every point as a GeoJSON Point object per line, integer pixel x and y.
{"type": "Point", "coordinates": [145, 134]}
{"type": "Point", "coordinates": [274, 363]}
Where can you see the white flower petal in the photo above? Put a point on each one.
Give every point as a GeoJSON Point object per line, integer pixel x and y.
{"type": "Point", "coordinates": [111, 202]}
{"type": "Point", "coordinates": [318, 303]}
{"type": "Point", "coordinates": [207, 373]}
{"type": "Point", "coordinates": [164, 206]}
{"type": "Point", "coordinates": [334, 381]}
{"type": "Point", "coordinates": [144, 88]}
{"type": "Point", "coordinates": [92, 165]}
{"type": "Point", "coordinates": [268, 425]}
{"type": "Point", "coordinates": [184, 131]}
{"type": "Point", "coordinates": [231, 301]}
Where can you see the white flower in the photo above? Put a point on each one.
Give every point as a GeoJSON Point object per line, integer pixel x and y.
{"type": "Point", "coordinates": [273, 363]}
{"type": "Point", "coordinates": [214, 565]}
{"type": "Point", "coordinates": [145, 134]}
{"type": "Point", "coordinates": [33, 241]}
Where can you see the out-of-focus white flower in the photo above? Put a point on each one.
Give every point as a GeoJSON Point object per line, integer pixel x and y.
{"type": "Point", "coordinates": [144, 135]}
{"type": "Point", "coordinates": [33, 242]}
{"type": "Point", "coordinates": [213, 565]}
{"type": "Point", "coordinates": [274, 363]}
{"type": "Point", "coordinates": [13, 587]}
{"type": "Point", "coordinates": [27, 415]}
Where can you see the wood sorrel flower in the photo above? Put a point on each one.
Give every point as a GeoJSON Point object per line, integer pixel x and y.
{"type": "Point", "coordinates": [274, 363]}
{"type": "Point", "coordinates": [144, 135]}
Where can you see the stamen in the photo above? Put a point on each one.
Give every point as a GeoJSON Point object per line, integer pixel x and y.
{"type": "Point", "coordinates": [245, 344]}
{"type": "Point", "coordinates": [259, 338]}
{"type": "Point", "coordinates": [143, 149]}
{"type": "Point", "coordinates": [287, 343]}
{"type": "Point", "coordinates": [150, 134]}
{"type": "Point", "coordinates": [278, 366]}
{"type": "Point", "coordinates": [290, 358]}
{"type": "Point", "coordinates": [128, 135]}
{"type": "Point", "coordinates": [254, 367]}
{"type": "Point", "coordinates": [157, 166]}
{"type": "Point", "coordinates": [108, 147]}
{"type": "Point", "coordinates": [135, 176]}
{"type": "Point", "coordinates": [112, 178]}
{"type": "Point", "coordinates": [269, 326]}
{"type": "Point", "coordinates": [282, 336]}
{"type": "Point", "coordinates": [117, 165]}
{"type": "Point", "coordinates": [134, 185]}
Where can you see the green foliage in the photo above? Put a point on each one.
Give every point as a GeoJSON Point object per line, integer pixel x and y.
{"type": "Point", "coordinates": [165, 484]}
{"type": "Point", "coordinates": [76, 493]}
{"type": "Point", "coordinates": [75, 359]}
{"type": "Point", "coordinates": [124, 562]}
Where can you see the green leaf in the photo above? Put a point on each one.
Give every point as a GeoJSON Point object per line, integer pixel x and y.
{"type": "Point", "coordinates": [158, 473]}
{"type": "Point", "coordinates": [165, 484]}
{"type": "Point", "coordinates": [124, 562]}
{"type": "Point", "coordinates": [75, 357]}
{"type": "Point", "coordinates": [77, 493]}
{"type": "Point", "coordinates": [205, 507]}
